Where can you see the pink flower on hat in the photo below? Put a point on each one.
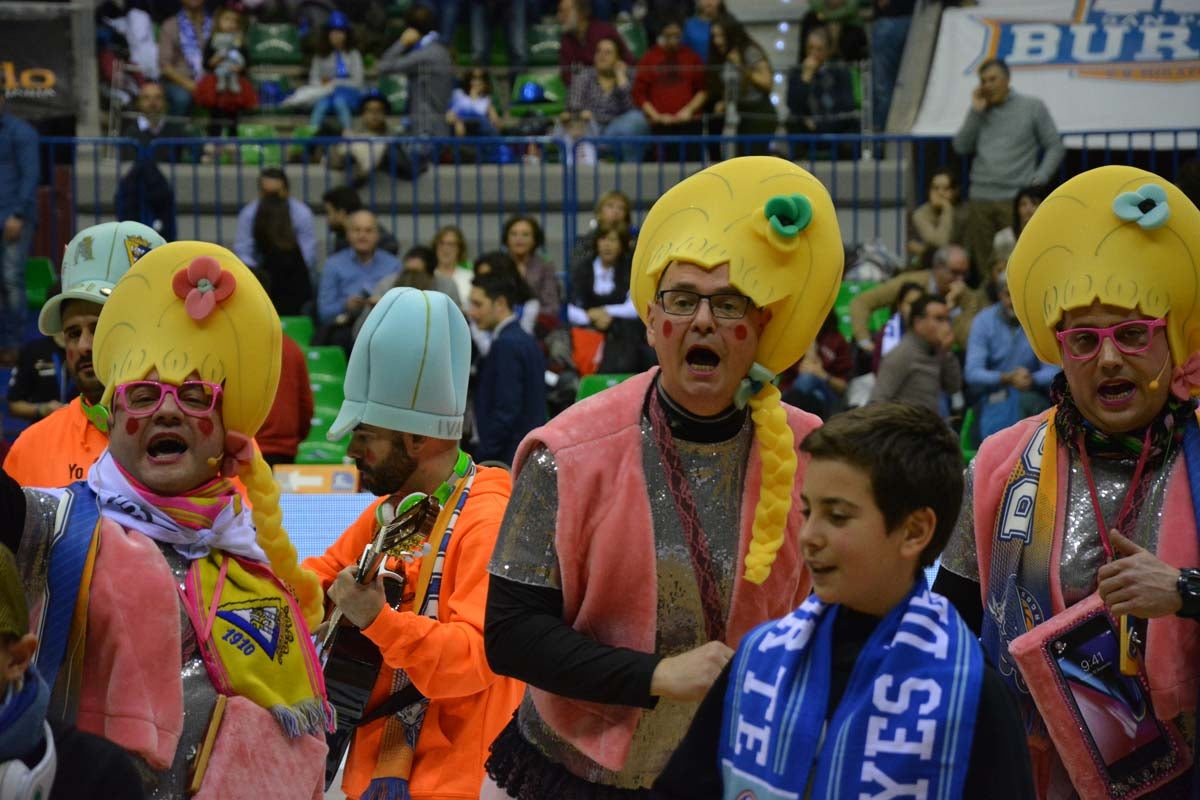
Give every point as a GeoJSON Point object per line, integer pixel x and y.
{"type": "Point", "coordinates": [201, 285]}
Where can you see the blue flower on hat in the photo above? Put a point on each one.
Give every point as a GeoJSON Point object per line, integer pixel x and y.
{"type": "Point", "coordinates": [1147, 206]}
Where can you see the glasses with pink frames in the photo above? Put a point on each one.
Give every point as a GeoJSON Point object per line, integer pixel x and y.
{"type": "Point", "coordinates": [1131, 338]}
{"type": "Point", "coordinates": [143, 398]}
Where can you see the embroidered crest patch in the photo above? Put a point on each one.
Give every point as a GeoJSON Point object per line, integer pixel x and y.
{"type": "Point", "coordinates": [263, 624]}
{"type": "Point", "coordinates": [136, 247]}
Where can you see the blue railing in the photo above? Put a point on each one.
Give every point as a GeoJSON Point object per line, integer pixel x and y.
{"type": "Point", "coordinates": [476, 184]}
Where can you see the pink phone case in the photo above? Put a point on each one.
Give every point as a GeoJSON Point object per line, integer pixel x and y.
{"type": "Point", "coordinates": [1065, 723]}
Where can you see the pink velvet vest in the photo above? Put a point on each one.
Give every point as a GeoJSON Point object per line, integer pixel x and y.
{"type": "Point", "coordinates": [1172, 643]}
{"type": "Point", "coordinates": [606, 552]}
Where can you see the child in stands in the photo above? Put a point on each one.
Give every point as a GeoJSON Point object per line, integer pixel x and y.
{"type": "Point", "coordinates": [874, 686]}
{"type": "Point", "coordinates": [340, 65]}
{"type": "Point", "coordinates": [225, 89]}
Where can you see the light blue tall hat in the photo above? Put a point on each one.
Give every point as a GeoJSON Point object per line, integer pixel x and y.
{"type": "Point", "coordinates": [409, 367]}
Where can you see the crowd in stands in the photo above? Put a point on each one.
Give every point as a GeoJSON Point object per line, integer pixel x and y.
{"type": "Point", "coordinates": [670, 67]}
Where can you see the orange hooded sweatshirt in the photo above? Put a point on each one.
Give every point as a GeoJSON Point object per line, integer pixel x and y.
{"type": "Point", "coordinates": [469, 704]}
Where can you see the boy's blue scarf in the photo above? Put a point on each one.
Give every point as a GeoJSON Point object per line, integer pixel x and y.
{"type": "Point", "coordinates": [23, 717]}
{"type": "Point", "coordinates": [906, 719]}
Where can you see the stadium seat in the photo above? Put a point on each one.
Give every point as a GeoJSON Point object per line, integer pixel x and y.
{"type": "Point", "coordinates": [326, 365]}
{"type": "Point", "coordinates": [314, 452]}
{"type": "Point", "coordinates": [635, 38]}
{"type": "Point", "coordinates": [395, 89]}
{"type": "Point", "coordinates": [327, 394]}
{"type": "Point", "coordinates": [966, 437]}
{"type": "Point", "coordinates": [462, 49]}
{"type": "Point", "coordinates": [841, 307]}
{"type": "Point", "coordinates": [538, 94]}
{"type": "Point", "coordinates": [299, 328]}
{"type": "Point", "coordinates": [594, 384]}
{"type": "Point", "coordinates": [545, 41]}
{"type": "Point", "coordinates": [266, 155]}
{"type": "Point", "coordinates": [39, 277]}
{"type": "Point", "coordinates": [322, 420]}
{"type": "Point", "coordinates": [275, 43]}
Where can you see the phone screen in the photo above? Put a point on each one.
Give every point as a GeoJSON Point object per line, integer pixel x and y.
{"type": "Point", "coordinates": [1121, 725]}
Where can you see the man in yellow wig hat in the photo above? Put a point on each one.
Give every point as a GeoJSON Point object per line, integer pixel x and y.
{"type": "Point", "coordinates": [1076, 551]}
{"type": "Point", "coordinates": [653, 525]}
{"type": "Point", "coordinates": [172, 618]}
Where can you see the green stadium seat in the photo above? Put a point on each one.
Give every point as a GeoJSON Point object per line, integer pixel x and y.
{"type": "Point", "coordinates": [398, 8]}
{"type": "Point", "coordinates": [635, 37]}
{"type": "Point", "coordinates": [274, 44]}
{"type": "Point", "coordinates": [594, 384]}
{"type": "Point", "coordinates": [462, 49]}
{"type": "Point", "coordinates": [966, 437]}
{"type": "Point", "coordinates": [553, 92]}
{"type": "Point", "coordinates": [299, 328]}
{"type": "Point", "coordinates": [39, 277]}
{"type": "Point", "coordinates": [322, 420]}
{"type": "Point", "coordinates": [326, 365]}
{"type": "Point", "coordinates": [841, 307]}
{"type": "Point", "coordinates": [313, 452]}
{"type": "Point", "coordinates": [395, 89]}
{"type": "Point", "coordinates": [545, 42]}
{"type": "Point", "coordinates": [266, 155]}
{"type": "Point", "coordinates": [327, 394]}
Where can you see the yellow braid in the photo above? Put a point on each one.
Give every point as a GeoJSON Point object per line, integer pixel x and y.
{"type": "Point", "coordinates": [777, 451]}
{"type": "Point", "coordinates": [263, 493]}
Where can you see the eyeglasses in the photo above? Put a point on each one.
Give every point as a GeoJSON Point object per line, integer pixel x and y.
{"type": "Point", "coordinates": [1131, 338]}
{"type": "Point", "coordinates": [143, 398]}
{"type": "Point", "coordinates": [684, 303]}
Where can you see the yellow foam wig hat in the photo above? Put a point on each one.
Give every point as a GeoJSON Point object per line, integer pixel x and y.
{"type": "Point", "coordinates": [195, 307]}
{"type": "Point", "coordinates": [1120, 235]}
{"type": "Point", "coordinates": [774, 225]}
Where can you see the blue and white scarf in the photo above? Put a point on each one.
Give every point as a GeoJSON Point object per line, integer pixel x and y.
{"type": "Point", "coordinates": [904, 725]}
{"type": "Point", "coordinates": [192, 45]}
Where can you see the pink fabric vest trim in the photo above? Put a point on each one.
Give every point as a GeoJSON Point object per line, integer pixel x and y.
{"type": "Point", "coordinates": [131, 692]}
{"type": "Point", "coordinates": [1172, 643]}
{"type": "Point", "coordinates": [606, 552]}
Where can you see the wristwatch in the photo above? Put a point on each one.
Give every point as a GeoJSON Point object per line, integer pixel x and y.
{"type": "Point", "coordinates": [1189, 591]}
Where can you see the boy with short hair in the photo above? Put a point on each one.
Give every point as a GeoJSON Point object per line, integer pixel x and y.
{"type": "Point", "coordinates": [36, 759]}
{"type": "Point", "coordinates": [874, 687]}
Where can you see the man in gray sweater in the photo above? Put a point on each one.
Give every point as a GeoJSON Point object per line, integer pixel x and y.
{"type": "Point", "coordinates": [420, 55]}
{"type": "Point", "coordinates": [923, 365]}
{"type": "Point", "coordinates": [1004, 131]}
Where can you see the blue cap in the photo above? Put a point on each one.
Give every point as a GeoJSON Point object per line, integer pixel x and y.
{"type": "Point", "coordinates": [337, 22]}
{"type": "Point", "coordinates": [409, 367]}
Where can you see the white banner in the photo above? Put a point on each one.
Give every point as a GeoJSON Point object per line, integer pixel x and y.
{"type": "Point", "coordinates": [1099, 65]}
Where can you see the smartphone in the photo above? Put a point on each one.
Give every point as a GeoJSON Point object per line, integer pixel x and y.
{"type": "Point", "coordinates": [1120, 727]}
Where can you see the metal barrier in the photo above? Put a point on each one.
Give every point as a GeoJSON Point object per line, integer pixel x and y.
{"type": "Point", "coordinates": [874, 180]}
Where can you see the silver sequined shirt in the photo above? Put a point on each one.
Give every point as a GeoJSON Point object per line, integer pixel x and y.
{"type": "Point", "coordinates": [1082, 552]}
{"type": "Point", "coordinates": [525, 553]}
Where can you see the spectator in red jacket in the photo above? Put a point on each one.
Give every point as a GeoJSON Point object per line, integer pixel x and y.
{"type": "Point", "coordinates": [290, 418]}
{"type": "Point", "coordinates": [580, 36]}
{"type": "Point", "coordinates": [669, 86]}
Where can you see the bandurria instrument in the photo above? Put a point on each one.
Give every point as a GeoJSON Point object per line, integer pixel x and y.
{"type": "Point", "coordinates": [352, 661]}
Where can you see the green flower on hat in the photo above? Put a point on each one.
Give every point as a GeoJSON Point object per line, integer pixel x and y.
{"type": "Point", "coordinates": [788, 214]}
{"type": "Point", "coordinates": [1147, 206]}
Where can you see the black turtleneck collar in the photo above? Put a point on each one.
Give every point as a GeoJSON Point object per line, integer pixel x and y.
{"type": "Point", "coordinates": [691, 428]}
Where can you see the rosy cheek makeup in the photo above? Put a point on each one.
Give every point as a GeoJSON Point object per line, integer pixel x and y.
{"type": "Point", "coordinates": [667, 328]}
{"type": "Point", "coordinates": [740, 332]}
{"type": "Point", "coordinates": [132, 426]}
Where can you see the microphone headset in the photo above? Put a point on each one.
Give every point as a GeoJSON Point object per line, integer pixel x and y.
{"type": "Point", "coordinates": [1154, 384]}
